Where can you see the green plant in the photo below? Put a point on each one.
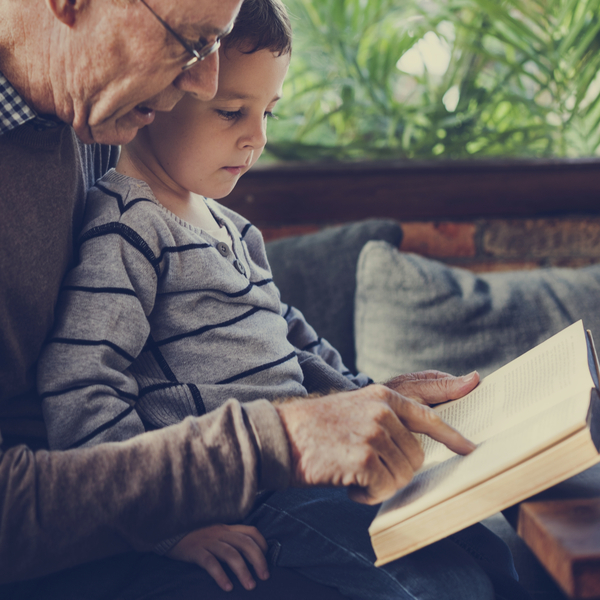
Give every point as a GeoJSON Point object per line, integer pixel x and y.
{"type": "Point", "coordinates": [520, 78]}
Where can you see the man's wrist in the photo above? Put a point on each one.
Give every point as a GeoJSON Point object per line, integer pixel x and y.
{"type": "Point", "coordinates": [271, 443]}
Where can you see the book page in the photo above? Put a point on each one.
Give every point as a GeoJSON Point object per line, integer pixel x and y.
{"type": "Point", "coordinates": [529, 384]}
{"type": "Point", "coordinates": [491, 457]}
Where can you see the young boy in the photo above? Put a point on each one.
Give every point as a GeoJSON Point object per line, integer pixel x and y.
{"type": "Point", "coordinates": [172, 310]}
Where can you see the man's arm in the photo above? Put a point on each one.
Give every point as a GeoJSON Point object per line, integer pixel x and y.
{"type": "Point", "coordinates": [59, 509]}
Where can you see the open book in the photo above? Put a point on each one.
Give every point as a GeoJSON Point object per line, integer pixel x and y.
{"type": "Point", "coordinates": [536, 422]}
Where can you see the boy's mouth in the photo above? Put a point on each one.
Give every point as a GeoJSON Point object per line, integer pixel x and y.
{"type": "Point", "coordinates": [234, 170]}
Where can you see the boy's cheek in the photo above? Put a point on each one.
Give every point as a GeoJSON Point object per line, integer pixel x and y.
{"type": "Point", "coordinates": [255, 157]}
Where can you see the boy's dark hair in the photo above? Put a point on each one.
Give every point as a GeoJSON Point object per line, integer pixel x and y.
{"type": "Point", "coordinates": [261, 25]}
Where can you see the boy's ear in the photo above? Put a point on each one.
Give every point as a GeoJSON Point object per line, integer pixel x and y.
{"type": "Point", "coordinates": [66, 11]}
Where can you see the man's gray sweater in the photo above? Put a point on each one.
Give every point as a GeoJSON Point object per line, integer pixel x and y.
{"type": "Point", "coordinates": [60, 509]}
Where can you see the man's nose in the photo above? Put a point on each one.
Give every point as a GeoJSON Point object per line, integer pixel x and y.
{"type": "Point", "coordinates": [202, 79]}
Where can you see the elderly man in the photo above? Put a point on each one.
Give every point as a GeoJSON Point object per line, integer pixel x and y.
{"type": "Point", "coordinates": [92, 71]}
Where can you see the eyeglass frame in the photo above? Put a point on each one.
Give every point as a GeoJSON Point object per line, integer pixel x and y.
{"type": "Point", "coordinates": [199, 53]}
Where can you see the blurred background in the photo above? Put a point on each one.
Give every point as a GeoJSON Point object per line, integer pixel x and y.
{"type": "Point", "coordinates": [440, 79]}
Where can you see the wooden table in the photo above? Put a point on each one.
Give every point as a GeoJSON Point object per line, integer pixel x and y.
{"type": "Point", "coordinates": [562, 528]}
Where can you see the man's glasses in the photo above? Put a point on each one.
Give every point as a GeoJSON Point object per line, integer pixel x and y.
{"type": "Point", "coordinates": [199, 50]}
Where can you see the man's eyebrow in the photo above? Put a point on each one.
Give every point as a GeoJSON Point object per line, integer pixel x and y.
{"type": "Point", "coordinates": [207, 31]}
{"type": "Point", "coordinates": [210, 31]}
{"type": "Point", "coordinates": [240, 96]}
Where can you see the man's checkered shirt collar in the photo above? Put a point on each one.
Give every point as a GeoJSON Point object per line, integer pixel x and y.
{"type": "Point", "coordinates": [14, 110]}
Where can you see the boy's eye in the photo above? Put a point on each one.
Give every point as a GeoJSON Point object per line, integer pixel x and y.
{"type": "Point", "coordinates": [270, 115]}
{"type": "Point", "coordinates": [230, 115]}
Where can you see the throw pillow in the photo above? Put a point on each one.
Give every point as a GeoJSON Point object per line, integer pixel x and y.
{"type": "Point", "coordinates": [413, 313]}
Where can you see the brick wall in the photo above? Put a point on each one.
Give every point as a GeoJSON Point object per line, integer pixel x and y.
{"type": "Point", "coordinates": [481, 216]}
{"type": "Point", "coordinates": [506, 244]}
{"type": "Point", "coordinates": [492, 244]}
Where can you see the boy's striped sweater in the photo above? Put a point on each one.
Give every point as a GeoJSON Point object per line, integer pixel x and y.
{"type": "Point", "coordinates": [159, 320]}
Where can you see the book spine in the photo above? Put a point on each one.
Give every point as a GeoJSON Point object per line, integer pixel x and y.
{"type": "Point", "coordinates": [593, 418]}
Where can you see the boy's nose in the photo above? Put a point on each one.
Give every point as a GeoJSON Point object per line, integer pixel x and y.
{"type": "Point", "coordinates": [256, 136]}
{"type": "Point", "coordinates": [202, 79]}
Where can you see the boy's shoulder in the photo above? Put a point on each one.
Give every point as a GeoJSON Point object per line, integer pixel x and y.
{"type": "Point", "coordinates": [119, 198]}
{"type": "Point", "coordinates": [124, 190]}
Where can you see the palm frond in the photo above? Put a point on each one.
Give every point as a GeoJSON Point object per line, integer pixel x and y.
{"type": "Point", "coordinates": [522, 76]}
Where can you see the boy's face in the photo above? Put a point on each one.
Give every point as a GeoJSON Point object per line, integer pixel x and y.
{"type": "Point", "coordinates": [206, 146]}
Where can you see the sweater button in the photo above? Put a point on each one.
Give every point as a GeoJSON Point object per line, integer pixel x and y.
{"type": "Point", "coordinates": [223, 248]}
{"type": "Point", "coordinates": [239, 266]}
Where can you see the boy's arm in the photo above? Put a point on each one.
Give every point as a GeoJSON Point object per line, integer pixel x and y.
{"type": "Point", "coordinates": [321, 362]}
{"type": "Point", "coordinates": [322, 365]}
{"type": "Point", "coordinates": [88, 392]}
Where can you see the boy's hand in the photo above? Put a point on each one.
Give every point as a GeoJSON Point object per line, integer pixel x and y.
{"type": "Point", "coordinates": [230, 544]}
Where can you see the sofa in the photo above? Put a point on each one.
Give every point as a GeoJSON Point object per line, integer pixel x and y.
{"type": "Point", "coordinates": [391, 312]}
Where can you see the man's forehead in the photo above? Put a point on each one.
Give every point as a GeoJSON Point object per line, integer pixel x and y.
{"type": "Point", "coordinates": [209, 17]}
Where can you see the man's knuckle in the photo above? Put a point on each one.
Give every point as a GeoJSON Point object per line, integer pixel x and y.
{"type": "Point", "coordinates": [418, 457]}
{"type": "Point", "coordinates": [379, 417]}
{"type": "Point", "coordinates": [379, 392]}
{"type": "Point", "coordinates": [381, 414]}
{"type": "Point", "coordinates": [365, 459]}
{"type": "Point", "coordinates": [434, 418]}
{"type": "Point", "coordinates": [429, 416]}
{"type": "Point", "coordinates": [369, 433]}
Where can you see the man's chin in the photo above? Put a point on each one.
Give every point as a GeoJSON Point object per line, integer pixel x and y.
{"type": "Point", "coordinates": [109, 135]}
{"type": "Point", "coordinates": [118, 137]}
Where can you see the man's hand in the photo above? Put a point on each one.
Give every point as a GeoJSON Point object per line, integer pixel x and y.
{"type": "Point", "coordinates": [362, 439]}
{"type": "Point", "coordinates": [230, 544]}
{"type": "Point", "coordinates": [433, 387]}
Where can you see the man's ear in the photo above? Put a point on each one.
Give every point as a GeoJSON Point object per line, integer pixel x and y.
{"type": "Point", "coordinates": [66, 11]}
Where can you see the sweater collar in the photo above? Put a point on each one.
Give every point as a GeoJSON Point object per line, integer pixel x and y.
{"type": "Point", "coordinates": [14, 111]}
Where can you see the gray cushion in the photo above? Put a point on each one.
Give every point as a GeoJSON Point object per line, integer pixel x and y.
{"type": "Point", "coordinates": [413, 313]}
{"type": "Point", "coordinates": [317, 274]}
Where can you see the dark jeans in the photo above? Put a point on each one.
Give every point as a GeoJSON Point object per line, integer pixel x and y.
{"type": "Point", "coordinates": [136, 576]}
{"type": "Point", "coordinates": [320, 534]}
{"type": "Point", "coordinates": [324, 535]}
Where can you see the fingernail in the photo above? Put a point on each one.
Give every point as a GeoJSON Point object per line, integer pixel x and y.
{"type": "Point", "coordinates": [250, 585]}
{"type": "Point", "coordinates": [265, 575]}
{"type": "Point", "coordinates": [228, 587]}
{"type": "Point", "coordinates": [470, 376]}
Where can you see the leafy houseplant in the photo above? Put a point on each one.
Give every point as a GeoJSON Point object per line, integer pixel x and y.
{"type": "Point", "coordinates": [421, 79]}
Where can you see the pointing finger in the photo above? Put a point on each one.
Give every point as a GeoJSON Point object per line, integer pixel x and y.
{"type": "Point", "coordinates": [422, 419]}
